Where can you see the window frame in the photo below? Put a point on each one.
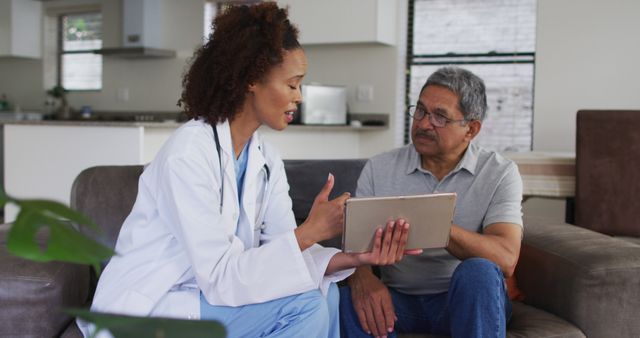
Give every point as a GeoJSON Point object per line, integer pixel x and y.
{"type": "Point", "coordinates": [454, 59]}
{"type": "Point", "coordinates": [60, 52]}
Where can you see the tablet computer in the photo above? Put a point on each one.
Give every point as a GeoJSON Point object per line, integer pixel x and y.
{"type": "Point", "coordinates": [430, 217]}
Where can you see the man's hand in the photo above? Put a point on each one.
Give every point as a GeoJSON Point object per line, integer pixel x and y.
{"type": "Point", "coordinates": [372, 303]}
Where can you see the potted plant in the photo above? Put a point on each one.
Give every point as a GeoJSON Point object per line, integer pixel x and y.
{"type": "Point", "coordinates": [63, 111]}
{"type": "Point", "coordinates": [66, 243]}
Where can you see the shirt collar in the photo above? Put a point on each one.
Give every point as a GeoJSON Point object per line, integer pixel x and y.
{"type": "Point", "coordinates": [468, 162]}
{"type": "Point", "coordinates": [413, 162]}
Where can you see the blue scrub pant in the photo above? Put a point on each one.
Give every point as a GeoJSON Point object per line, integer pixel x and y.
{"type": "Point", "coordinates": [476, 305]}
{"type": "Point", "coordinates": [308, 314]}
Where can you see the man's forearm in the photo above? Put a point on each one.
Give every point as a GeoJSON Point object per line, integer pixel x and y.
{"type": "Point", "coordinates": [361, 271]}
{"type": "Point", "coordinates": [502, 248]}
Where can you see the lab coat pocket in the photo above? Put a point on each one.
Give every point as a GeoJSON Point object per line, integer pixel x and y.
{"type": "Point", "coordinates": [182, 303]}
{"type": "Point", "coordinates": [136, 303]}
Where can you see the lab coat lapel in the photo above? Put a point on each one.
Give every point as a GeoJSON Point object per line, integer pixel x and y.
{"type": "Point", "coordinates": [226, 147]}
{"type": "Point", "coordinates": [252, 185]}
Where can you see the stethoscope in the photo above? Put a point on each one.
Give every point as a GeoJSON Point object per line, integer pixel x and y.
{"type": "Point", "coordinates": [265, 167]}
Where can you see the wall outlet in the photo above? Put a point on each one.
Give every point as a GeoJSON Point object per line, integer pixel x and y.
{"type": "Point", "coordinates": [122, 94]}
{"type": "Point", "coordinates": [364, 93]}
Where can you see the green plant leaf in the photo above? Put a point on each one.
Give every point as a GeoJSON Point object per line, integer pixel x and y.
{"type": "Point", "coordinates": [64, 242]}
{"type": "Point", "coordinates": [21, 240]}
{"type": "Point", "coordinates": [56, 209]}
{"type": "Point", "coordinates": [122, 326]}
{"type": "Point", "coordinates": [3, 198]}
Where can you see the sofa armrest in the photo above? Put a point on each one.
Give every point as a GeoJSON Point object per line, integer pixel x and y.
{"type": "Point", "coordinates": [587, 278]}
{"type": "Point", "coordinates": [32, 294]}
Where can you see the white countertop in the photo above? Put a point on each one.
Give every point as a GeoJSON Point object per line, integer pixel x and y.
{"type": "Point", "coordinates": [89, 123]}
{"type": "Point", "coordinates": [174, 124]}
{"type": "Point", "coordinates": [546, 174]}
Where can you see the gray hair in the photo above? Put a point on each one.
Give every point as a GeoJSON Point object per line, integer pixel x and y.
{"type": "Point", "coordinates": [468, 86]}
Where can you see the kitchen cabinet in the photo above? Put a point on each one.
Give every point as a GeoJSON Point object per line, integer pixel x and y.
{"type": "Point", "coordinates": [344, 21]}
{"type": "Point", "coordinates": [20, 28]}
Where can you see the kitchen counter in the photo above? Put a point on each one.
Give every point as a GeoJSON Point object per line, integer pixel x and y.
{"type": "Point", "coordinates": [97, 123]}
{"type": "Point", "coordinates": [42, 158]}
{"type": "Point", "coordinates": [173, 124]}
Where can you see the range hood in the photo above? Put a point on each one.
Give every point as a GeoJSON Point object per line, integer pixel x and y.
{"type": "Point", "coordinates": [141, 31]}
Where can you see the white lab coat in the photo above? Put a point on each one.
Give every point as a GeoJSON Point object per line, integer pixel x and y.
{"type": "Point", "coordinates": [177, 242]}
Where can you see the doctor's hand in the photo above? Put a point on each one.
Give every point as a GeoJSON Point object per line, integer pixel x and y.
{"type": "Point", "coordinates": [325, 219]}
{"type": "Point", "coordinates": [388, 245]}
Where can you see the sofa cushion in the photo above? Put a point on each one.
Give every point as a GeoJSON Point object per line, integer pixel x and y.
{"type": "Point", "coordinates": [32, 294]}
{"type": "Point", "coordinates": [105, 194]}
{"type": "Point", "coordinates": [528, 322]}
{"type": "Point", "coordinates": [587, 277]}
{"type": "Point", "coordinates": [634, 240]}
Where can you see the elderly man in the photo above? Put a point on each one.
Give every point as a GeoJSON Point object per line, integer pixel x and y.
{"type": "Point", "coordinates": [459, 290]}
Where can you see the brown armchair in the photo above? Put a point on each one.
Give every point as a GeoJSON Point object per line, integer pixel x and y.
{"type": "Point", "coordinates": [608, 172]}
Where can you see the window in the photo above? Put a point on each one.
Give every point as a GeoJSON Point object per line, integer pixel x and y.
{"type": "Point", "coordinates": [495, 39]}
{"type": "Point", "coordinates": [78, 35]}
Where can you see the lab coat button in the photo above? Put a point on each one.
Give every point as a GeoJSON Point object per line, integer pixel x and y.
{"type": "Point", "coordinates": [235, 216]}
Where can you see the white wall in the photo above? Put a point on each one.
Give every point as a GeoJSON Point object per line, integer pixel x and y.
{"type": "Point", "coordinates": [354, 65]}
{"type": "Point", "coordinates": [153, 84]}
{"type": "Point", "coordinates": [587, 57]}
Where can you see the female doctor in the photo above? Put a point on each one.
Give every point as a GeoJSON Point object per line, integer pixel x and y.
{"type": "Point", "coordinates": [212, 233]}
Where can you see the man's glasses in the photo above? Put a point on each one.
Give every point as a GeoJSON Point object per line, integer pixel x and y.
{"type": "Point", "coordinates": [437, 120]}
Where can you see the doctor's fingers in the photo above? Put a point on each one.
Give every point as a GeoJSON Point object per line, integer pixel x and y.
{"type": "Point", "coordinates": [323, 195]}
{"type": "Point", "coordinates": [338, 205]}
{"type": "Point", "coordinates": [342, 199]}
{"type": "Point", "coordinates": [396, 239]}
{"type": "Point", "coordinates": [383, 252]}
{"type": "Point", "coordinates": [403, 233]}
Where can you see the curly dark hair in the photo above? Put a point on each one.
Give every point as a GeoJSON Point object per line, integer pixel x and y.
{"type": "Point", "coordinates": [247, 41]}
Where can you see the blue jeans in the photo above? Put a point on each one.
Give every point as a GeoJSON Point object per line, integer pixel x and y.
{"type": "Point", "coordinates": [308, 314]}
{"type": "Point", "coordinates": [476, 305]}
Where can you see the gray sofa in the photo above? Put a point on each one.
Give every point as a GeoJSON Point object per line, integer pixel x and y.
{"type": "Point", "coordinates": [577, 282]}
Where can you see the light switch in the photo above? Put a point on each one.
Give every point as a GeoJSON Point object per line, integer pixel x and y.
{"type": "Point", "coordinates": [364, 92]}
{"type": "Point", "coordinates": [122, 94]}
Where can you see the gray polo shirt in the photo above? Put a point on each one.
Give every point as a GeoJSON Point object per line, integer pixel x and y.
{"type": "Point", "coordinates": [489, 190]}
